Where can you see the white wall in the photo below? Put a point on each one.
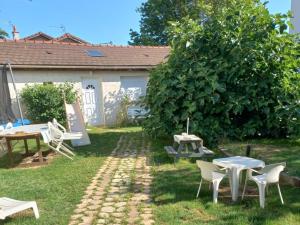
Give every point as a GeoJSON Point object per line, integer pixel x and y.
{"type": "Point", "coordinates": [109, 83]}
{"type": "Point", "coordinates": [296, 16]}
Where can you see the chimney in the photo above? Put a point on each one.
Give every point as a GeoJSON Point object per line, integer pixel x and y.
{"type": "Point", "coordinates": [15, 33]}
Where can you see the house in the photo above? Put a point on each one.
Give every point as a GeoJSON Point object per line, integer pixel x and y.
{"type": "Point", "coordinates": [102, 74]}
{"type": "Point", "coordinates": [296, 16]}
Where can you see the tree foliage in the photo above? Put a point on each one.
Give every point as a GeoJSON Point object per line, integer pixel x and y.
{"type": "Point", "coordinates": [156, 16]}
{"type": "Point", "coordinates": [3, 34]}
{"type": "Point", "coordinates": [46, 101]}
{"type": "Point", "coordinates": [234, 74]}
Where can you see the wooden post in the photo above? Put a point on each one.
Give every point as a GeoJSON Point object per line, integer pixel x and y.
{"type": "Point", "coordinates": [248, 150]}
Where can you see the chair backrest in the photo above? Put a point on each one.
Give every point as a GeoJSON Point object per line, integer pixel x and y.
{"type": "Point", "coordinates": [54, 132]}
{"type": "Point", "coordinates": [58, 125]}
{"type": "Point", "coordinates": [207, 169]}
{"type": "Point", "coordinates": [273, 171]}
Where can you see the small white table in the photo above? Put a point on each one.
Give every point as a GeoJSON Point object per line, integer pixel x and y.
{"type": "Point", "coordinates": [236, 164]}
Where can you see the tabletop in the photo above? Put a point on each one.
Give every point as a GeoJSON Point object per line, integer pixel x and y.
{"type": "Point", "coordinates": [240, 162]}
{"type": "Point", "coordinates": [34, 128]}
{"type": "Point", "coordinates": [186, 138]}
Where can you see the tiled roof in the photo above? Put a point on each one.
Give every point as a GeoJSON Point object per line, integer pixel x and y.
{"type": "Point", "coordinates": [53, 54]}
{"type": "Point", "coordinates": [38, 36]}
{"type": "Point", "coordinates": [70, 38]}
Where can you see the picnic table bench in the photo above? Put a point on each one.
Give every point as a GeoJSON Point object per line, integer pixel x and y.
{"type": "Point", "coordinates": [187, 146]}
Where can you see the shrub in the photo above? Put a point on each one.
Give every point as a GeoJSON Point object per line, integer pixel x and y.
{"type": "Point", "coordinates": [122, 117]}
{"type": "Point", "coordinates": [234, 74]}
{"type": "Point", "coordinates": [46, 101]}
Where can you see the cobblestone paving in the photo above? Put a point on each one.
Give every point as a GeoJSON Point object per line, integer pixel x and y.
{"type": "Point", "coordinates": [120, 191]}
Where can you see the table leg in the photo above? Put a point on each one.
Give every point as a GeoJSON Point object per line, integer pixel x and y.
{"type": "Point", "coordinates": [235, 174]}
{"type": "Point", "coordinates": [180, 148]}
{"type": "Point", "coordinates": [26, 147]}
{"type": "Point", "coordinates": [9, 150]}
{"type": "Point", "coordinates": [38, 145]}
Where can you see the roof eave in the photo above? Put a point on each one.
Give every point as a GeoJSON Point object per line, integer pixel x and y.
{"type": "Point", "coordinates": [84, 67]}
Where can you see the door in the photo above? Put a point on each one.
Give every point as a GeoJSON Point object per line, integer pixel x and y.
{"type": "Point", "coordinates": [90, 95]}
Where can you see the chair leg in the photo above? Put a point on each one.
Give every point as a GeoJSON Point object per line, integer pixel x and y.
{"type": "Point", "coordinates": [245, 185]}
{"type": "Point", "coordinates": [261, 189]}
{"type": "Point", "coordinates": [216, 184]}
{"type": "Point", "coordinates": [68, 146]}
{"type": "Point", "coordinates": [282, 202]}
{"type": "Point", "coordinates": [35, 210]}
{"type": "Point", "coordinates": [64, 148]}
{"type": "Point", "coordinates": [199, 188]}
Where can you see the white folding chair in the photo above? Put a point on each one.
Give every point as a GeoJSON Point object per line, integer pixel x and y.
{"type": "Point", "coordinates": [10, 206]}
{"type": "Point", "coordinates": [267, 175]}
{"type": "Point", "coordinates": [52, 137]}
{"type": "Point", "coordinates": [67, 135]}
{"type": "Point", "coordinates": [211, 173]}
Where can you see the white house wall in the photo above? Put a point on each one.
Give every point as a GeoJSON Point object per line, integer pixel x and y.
{"type": "Point", "coordinates": [296, 16]}
{"type": "Point", "coordinates": [109, 83]}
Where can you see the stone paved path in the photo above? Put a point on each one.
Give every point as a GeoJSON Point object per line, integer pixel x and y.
{"type": "Point", "coordinates": [120, 191]}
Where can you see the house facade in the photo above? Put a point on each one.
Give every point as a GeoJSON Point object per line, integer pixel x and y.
{"type": "Point", "coordinates": [102, 74]}
{"type": "Point", "coordinates": [296, 16]}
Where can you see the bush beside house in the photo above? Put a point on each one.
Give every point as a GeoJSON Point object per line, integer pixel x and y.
{"type": "Point", "coordinates": [46, 101]}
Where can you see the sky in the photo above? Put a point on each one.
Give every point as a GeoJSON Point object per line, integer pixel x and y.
{"type": "Point", "coordinates": [96, 21]}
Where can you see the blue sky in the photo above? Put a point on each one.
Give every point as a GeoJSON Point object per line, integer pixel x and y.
{"type": "Point", "coordinates": [97, 21]}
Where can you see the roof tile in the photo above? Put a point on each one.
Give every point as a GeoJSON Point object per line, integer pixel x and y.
{"type": "Point", "coordinates": [40, 54]}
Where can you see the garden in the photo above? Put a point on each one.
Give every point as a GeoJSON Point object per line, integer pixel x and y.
{"type": "Point", "coordinates": [60, 186]}
{"type": "Point", "coordinates": [232, 72]}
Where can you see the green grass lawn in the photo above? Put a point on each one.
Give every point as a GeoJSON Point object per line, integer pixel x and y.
{"type": "Point", "coordinates": [175, 187]}
{"type": "Point", "coordinates": [271, 151]}
{"type": "Point", "coordinates": [57, 187]}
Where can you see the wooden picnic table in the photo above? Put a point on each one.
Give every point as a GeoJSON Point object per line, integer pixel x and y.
{"type": "Point", "coordinates": [187, 145]}
{"type": "Point", "coordinates": [23, 133]}
{"type": "Point", "coordinates": [22, 136]}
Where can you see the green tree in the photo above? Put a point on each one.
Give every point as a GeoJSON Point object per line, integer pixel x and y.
{"type": "Point", "coordinates": [3, 34]}
{"type": "Point", "coordinates": [235, 75]}
{"type": "Point", "coordinates": [156, 16]}
{"type": "Point", "coordinates": [46, 101]}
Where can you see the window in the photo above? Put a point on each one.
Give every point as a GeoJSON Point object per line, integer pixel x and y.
{"type": "Point", "coordinates": [47, 83]}
{"type": "Point", "coordinates": [90, 86]}
{"type": "Point", "coordinates": [94, 53]}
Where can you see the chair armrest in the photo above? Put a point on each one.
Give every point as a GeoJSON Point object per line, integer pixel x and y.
{"type": "Point", "coordinates": [256, 171]}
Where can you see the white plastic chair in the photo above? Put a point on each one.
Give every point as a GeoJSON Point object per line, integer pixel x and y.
{"type": "Point", "coordinates": [10, 206]}
{"type": "Point", "coordinates": [267, 175]}
{"type": "Point", "coordinates": [211, 173]}
{"type": "Point", "coordinates": [67, 135]}
{"type": "Point", "coordinates": [52, 137]}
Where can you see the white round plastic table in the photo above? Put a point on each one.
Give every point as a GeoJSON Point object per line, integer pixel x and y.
{"type": "Point", "coordinates": [236, 164]}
